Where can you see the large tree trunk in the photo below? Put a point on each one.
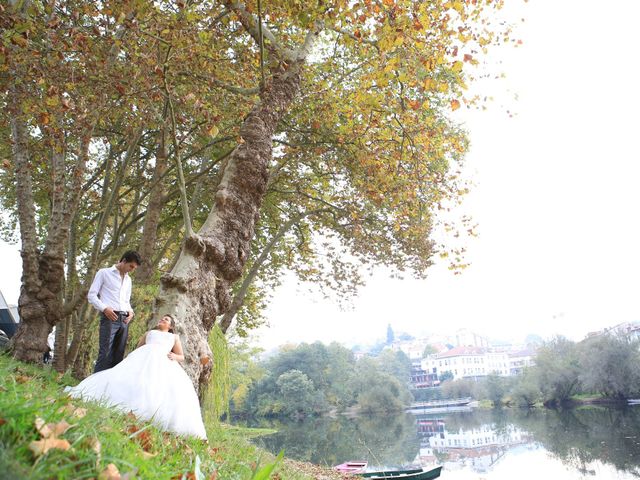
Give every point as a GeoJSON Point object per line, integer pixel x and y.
{"type": "Point", "coordinates": [40, 302]}
{"type": "Point", "coordinates": [196, 290]}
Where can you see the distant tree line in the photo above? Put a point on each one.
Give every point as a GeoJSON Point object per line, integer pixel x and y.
{"type": "Point", "coordinates": [312, 379]}
{"type": "Point", "coordinates": [606, 366]}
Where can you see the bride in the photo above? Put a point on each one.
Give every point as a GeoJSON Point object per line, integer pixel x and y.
{"type": "Point", "coordinates": [150, 383]}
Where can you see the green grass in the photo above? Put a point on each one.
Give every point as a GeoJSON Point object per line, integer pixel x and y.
{"type": "Point", "coordinates": [100, 436]}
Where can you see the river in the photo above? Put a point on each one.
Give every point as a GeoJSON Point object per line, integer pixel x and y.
{"type": "Point", "coordinates": [499, 444]}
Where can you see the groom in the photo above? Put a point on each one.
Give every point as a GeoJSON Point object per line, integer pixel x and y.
{"type": "Point", "coordinates": [110, 294]}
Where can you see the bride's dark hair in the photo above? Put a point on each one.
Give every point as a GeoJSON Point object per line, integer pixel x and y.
{"type": "Point", "coordinates": [173, 322]}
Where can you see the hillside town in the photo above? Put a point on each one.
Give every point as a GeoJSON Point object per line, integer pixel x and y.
{"type": "Point", "coordinates": [467, 354]}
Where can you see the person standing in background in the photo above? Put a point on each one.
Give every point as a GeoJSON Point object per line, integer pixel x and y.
{"type": "Point", "coordinates": [110, 294]}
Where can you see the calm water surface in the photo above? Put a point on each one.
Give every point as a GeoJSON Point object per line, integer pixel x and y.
{"type": "Point", "coordinates": [602, 443]}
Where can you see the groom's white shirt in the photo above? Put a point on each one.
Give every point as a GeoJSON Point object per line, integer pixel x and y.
{"type": "Point", "coordinates": [110, 289]}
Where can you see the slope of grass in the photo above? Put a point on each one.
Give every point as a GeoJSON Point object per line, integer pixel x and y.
{"type": "Point", "coordinates": [44, 434]}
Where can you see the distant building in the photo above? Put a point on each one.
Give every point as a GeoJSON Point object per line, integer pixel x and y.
{"type": "Point", "coordinates": [460, 361]}
{"type": "Point", "coordinates": [9, 318]}
{"type": "Point", "coordinates": [359, 354]}
{"type": "Point", "coordinates": [466, 338]}
{"type": "Point", "coordinates": [520, 360]}
{"type": "Point", "coordinates": [474, 362]}
{"type": "Point", "coordinates": [413, 348]}
{"type": "Point", "coordinates": [420, 378]}
{"type": "Point", "coordinates": [629, 330]}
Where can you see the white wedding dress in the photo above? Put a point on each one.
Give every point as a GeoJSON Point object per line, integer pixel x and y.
{"type": "Point", "coordinates": [150, 385]}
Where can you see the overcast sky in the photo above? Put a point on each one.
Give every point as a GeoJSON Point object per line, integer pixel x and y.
{"type": "Point", "coordinates": [556, 198]}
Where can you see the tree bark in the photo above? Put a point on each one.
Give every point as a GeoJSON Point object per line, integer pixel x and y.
{"type": "Point", "coordinates": [40, 302]}
{"type": "Point", "coordinates": [152, 217]}
{"type": "Point", "coordinates": [196, 290]}
{"type": "Point", "coordinates": [30, 341]}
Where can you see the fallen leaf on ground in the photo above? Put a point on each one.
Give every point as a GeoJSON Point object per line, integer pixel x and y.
{"type": "Point", "coordinates": [70, 409]}
{"type": "Point", "coordinates": [185, 476]}
{"type": "Point", "coordinates": [110, 473]}
{"type": "Point", "coordinates": [141, 436]}
{"type": "Point", "coordinates": [49, 430]}
{"type": "Point", "coordinates": [40, 447]}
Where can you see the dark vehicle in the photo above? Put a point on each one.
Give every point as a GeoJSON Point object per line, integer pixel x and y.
{"type": "Point", "coordinates": [4, 339]}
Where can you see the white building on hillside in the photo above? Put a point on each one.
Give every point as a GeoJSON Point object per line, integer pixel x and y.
{"type": "Point", "coordinates": [473, 362]}
{"type": "Point", "coordinates": [460, 361]}
{"type": "Point", "coordinates": [520, 360]}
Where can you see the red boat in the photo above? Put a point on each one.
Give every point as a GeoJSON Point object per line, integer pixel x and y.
{"type": "Point", "coordinates": [351, 467]}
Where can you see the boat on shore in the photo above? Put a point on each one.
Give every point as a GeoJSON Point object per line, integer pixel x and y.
{"type": "Point", "coordinates": [354, 466]}
{"type": "Point", "coordinates": [413, 474]}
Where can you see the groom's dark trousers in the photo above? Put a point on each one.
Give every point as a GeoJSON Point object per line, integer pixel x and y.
{"type": "Point", "coordinates": [113, 340]}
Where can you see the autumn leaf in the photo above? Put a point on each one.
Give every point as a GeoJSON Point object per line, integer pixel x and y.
{"type": "Point", "coordinates": [50, 430]}
{"type": "Point", "coordinates": [213, 131]}
{"type": "Point", "coordinates": [40, 447]}
{"type": "Point", "coordinates": [141, 436]}
{"type": "Point", "coordinates": [455, 105]}
{"type": "Point", "coordinates": [70, 409]}
{"type": "Point", "coordinates": [110, 473]}
{"type": "Point", "coordinates": [22, 378]}
{"type": "Point", "coordinates": [96, 446]}
{"type": "Point", "coordinates": [468, 57]}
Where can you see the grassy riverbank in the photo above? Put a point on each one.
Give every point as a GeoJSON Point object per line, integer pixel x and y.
{"type": "Point", "coordinates": [45, 434]}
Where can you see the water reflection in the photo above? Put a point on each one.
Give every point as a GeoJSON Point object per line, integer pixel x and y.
{"type": "Point", "coordinates": [581, 443]}
{"type": "Point", "coordinates": [389, 441]}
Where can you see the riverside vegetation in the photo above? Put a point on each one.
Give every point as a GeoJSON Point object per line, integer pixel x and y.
{"type": "Point", "coordinates": [313, 379]}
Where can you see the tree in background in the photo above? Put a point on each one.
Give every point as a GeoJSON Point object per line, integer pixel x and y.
{"type": "Point", "coordinates": [298, 392]}
{"type": "Point", "coordinates": [558, 370]}
{"type": "Point", "coordinates": [429, 350]}
{"type": "Point", "coordinates": [377, 390]}
{"type": "Point", "coordinates": [396, 363]}
{"type": "Point", "coordinates": [495, 388]}
{"type": "Point", "coordinates": [526, 390]}
{"type": "Point", "coordinates": [311, 379]}
{"type": "Point", "coordinates": [390, 336]}
{"type": "Point", "coordinates": [610, 366]}
{"type": "Point", "coordinates": [446, 375]}
{"type": "Point", "coordinates": [464, 387]}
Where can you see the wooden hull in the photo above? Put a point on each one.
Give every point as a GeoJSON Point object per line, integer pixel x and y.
{"type": "Point", "coordinates": [416, 474]}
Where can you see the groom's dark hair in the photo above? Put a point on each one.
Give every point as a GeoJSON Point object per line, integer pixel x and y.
{"type": "Point", "coordinates": [131, 256]}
